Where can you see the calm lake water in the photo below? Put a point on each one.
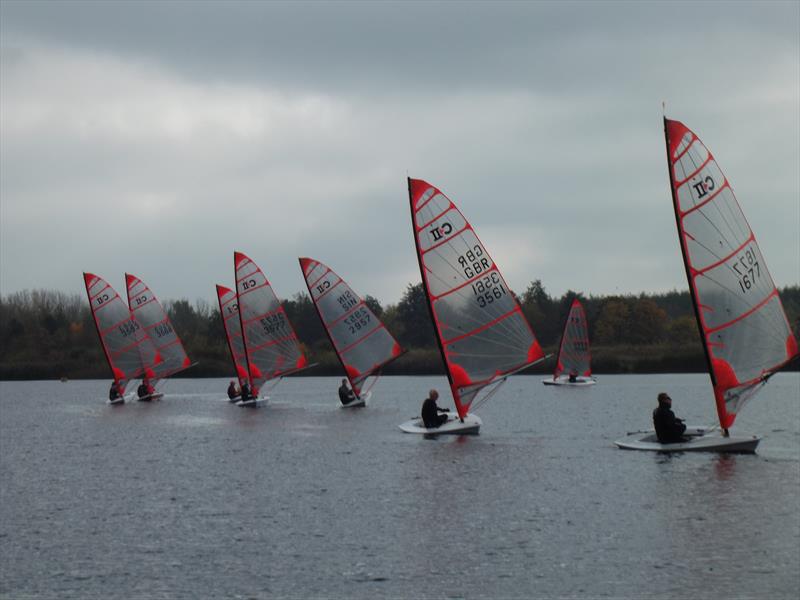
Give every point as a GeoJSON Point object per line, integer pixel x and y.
{"type": "Point", "coordinates": [194, 498]}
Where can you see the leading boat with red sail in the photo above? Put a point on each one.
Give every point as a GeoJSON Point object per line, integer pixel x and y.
{"type": "Point", "coordinates": [482, 334]}
{"type": "Point", "coordinates": [118, 331]}
{"type": "Point", "coordinates": [573, 363]}
{"type": "Point", "coordinates": [745, 333]}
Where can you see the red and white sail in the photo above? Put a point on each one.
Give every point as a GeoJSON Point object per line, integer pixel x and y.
{"type": "Point", "coordinates": [482, 333]}
{"type": "Point", "coordinates": [271, 345]}
{"type": "Point", "coordinates": [229, 309]}
{"type": "Point", "coordinates": [573, 351]}
{"type": "Point", "coordinates": [744, 328]}
{"type": "Point", "coordinates": [360, 339]}
{"type": "Point", "coordinates": [117, 329]}
{"type": "Point", "coordinates": [166, 356]}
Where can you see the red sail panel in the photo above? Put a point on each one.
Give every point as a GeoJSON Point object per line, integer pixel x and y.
{"type": "Point", "coordinates": [271, 345]}
{"type": "Point", "coordinates": [573, 352]}
{"type": "Point", "coordinates": [117, 329]}
{"type": "Point", "coordinates": [482, 333]}
{"type": "Point", "coordinates": [744, 328]}
{"type": "Point", "coordinates": [361, 341]}
{"type": "Point", "coordinates": [169, 357]}
{"type": "Point", "coordinates": [229, 309]}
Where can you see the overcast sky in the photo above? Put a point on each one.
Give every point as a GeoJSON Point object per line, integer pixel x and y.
{"type": "Point", "coordinates": [157, 138]}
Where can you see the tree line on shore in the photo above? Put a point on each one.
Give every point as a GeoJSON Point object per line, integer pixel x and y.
{"type": "Point", "coordinates": [46, 334]}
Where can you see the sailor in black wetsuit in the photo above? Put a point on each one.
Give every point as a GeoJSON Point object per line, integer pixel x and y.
{"type": "Point", "coordinates": [246, 394]}
{"type": "Point", "coordinates": [233, 391]}
{"type": "Point", "coordinates": [573, 376]}
{"type": "Point", "coordinates": [669, 428]}
{"type": "Point", "coordinates": [430, 412]}
{"type": "Point", "coordinates": [346, 395]}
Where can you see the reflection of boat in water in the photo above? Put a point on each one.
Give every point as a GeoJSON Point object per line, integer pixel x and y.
{"type": "Point", "coordinates": [119, 333]}
{"type": "Point", "coordinates": [744, 330]}
{"type": "Point", "coordinates": [271, 347]}
{"type": "Point", "coordinates": [573, 362]}
{"type": "Point", "coordinates": [160, 347]}
{"type": "Point", "coordinates": [362, 343]}
{"type": "Point", "coordinates": [482, 334]}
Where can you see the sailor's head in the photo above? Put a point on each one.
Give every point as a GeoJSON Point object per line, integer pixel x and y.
{"type": "Point", "coordinates": [344, 381]}
{"type": "Point", "coordinates": [433, 394]}
{"type": "Point", "coordinates": [663, 398]}
{"type": "Point", "coordinates": [232, 382]}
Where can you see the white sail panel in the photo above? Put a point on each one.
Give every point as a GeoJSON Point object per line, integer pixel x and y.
{"type": "Point", "coordinates": [229, 311]}
{"type": "Point", "coordinates": [117, 329]}
{"type": "Point", "coordinates": [359, 338]}
{"type": "Point", "coordinates": [271, 345]}
{"type": "Point", "coordinates": [745, 331]}
{"type": "Point", "coordinates": [479, 323]}
{"type": "Point", "coordinates": [170, 357]}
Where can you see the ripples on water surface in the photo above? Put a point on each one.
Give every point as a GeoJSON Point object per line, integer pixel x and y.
{"type": "Point", "coordinates": [192, 497]}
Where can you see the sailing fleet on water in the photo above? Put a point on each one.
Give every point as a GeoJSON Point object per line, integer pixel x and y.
{"type": "Point", "coordinates": [482, 334]}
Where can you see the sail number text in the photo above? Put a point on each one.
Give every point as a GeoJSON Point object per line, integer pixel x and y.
{"type": "Point", "coordinates": [128, 328]}
{"type": "Point", "coordinates": [162, 329]}
{"type": "Point", "coordinates": [747, 269]}
{"type": "Point", "coordinates": [347, 300]}
{"type": "Point", "coordinates": [272, 323]}
{"type": "Point", "coordinates": [359, 319]}
{"type": "Point", "coordinates": [473, 262]}
{"type": "Point", "coordinates": [488, 289]}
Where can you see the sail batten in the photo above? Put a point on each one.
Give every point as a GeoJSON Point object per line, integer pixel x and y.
{"type": "Point", "coordinates": [360, 340]}
{"type": "Point", "coordinates": [744, 330]}
{"type": "Point", "coordinates": [480, 329]}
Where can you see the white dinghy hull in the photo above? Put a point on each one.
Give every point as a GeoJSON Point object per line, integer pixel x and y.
{"type": "Point", "coordinates": [469, 426]}
{"type": "Point", "coordinates": [358, 403]}
{"type": "Point", "coordinates": [254, 403]}
{"type": "Point", "coordinates": [701, 439]}
{"type": "Point", "coordinates": [561, 380]}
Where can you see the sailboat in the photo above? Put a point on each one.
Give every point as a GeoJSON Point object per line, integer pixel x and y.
{"type": "Point", "coordinates": [229, 309]}
{"type": "Point", "coordinates": [481, 332]}
{"type": "Point", "coordinates": [271, 347]}
{"type": "Point", "coordinates": [361, 341]}
{"type": "Point", "coordinates": [117, 329]}
{"type": "Point", "coordinates": [745, 333]}
{"type": "Point", "coordinates": [573, 365]}
{"type": "Point", "coordinates": [164, 355]}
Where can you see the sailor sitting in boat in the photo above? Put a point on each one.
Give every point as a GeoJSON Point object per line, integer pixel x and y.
{"type": "Point", "coordinates": [430, 412]}
{"type": "Point", "coordinates": [346, 395]}
{"type": "Point", "coordinates": [144, 389]}
{"type": "Point", "coordinates": [113, 393]}
{"type": "Point", "coordinates": [233, 391]}
{"type": "Point", "coordinates": [246, 394]}
{"type": "Point", "coordinates": [573, 376]}
{"type": "Point", "coordinates": [669, 428]}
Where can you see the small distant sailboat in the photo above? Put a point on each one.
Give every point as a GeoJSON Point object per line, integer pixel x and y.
{"type": "Point", "coordinates": [163, 355]}
{"type": "Point", "coordinates": [483, 336]}
{"type": "Point", "coordinates": [573, 365]}
{"type": "Point", "coordinates": [744, 330]}
{"type": "Point", "coordinates": [229, 309]}
{"type": "Point", "coordinates": [117, 329]}
{"type": "Point", "coordinates": [271, 347]}
{"type": "Point", "coordinates": [361, 341]}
